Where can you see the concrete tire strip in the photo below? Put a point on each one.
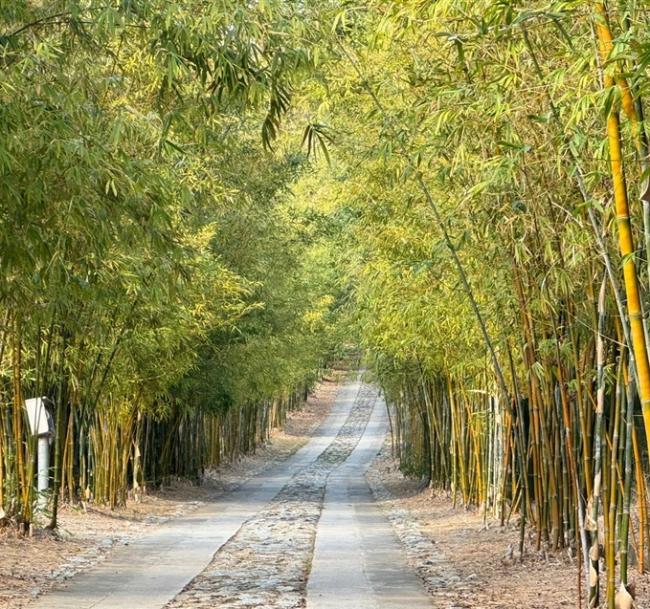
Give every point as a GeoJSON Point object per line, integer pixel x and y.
{"type": "Point", "coordinates": [358, 562]}
{"type": "Point", "coordinates": [436, 573]}
{"type": "Point", "coordinates": [270, 537]}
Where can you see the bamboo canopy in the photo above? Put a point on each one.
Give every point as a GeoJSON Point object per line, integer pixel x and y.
{"type": "Point", "coordinates": [200, 215]}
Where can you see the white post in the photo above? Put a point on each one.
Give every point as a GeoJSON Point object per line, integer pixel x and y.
{"type": "Point", "coordinates": [42, 426]}
{"type": "Point", "coordinates": [43, 470]}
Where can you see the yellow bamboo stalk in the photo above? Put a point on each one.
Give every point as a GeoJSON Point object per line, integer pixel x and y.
{"type": "Point", "coordinates": [626, 241]}
{"type": "Point", "coordinates": [627, 99]}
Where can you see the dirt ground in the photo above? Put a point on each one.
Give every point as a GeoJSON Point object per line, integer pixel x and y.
{"type": "Point", "coordinates": [468, 562]}
{"type": "Point", "coordinates": [31, 565]}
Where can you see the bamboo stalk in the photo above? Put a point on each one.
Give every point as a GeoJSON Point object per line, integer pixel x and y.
{"type": "Point", "coordinates": [626, 242]}
{"type": "Point", "coordinates": [594, 550]}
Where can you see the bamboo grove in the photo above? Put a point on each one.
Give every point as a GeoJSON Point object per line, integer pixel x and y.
{"type": "Point", "coordinates": [157, 285]}
{"type": "Point", "coordinates": [491, 160]}
{"type": "Point", "coordinates": [203, 202]}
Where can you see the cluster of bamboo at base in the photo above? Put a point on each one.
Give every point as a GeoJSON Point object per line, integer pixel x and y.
{"type": "Point", "coordinates": [198, 440]}
{"type": "Point", "coordinates": [457, 439]}
{"type": "Point", "coordinates": [111, 455]}
{"type": "Point", "coordinates": [452, 438]}
{"type": "Point", "coordinates": [589, 497]}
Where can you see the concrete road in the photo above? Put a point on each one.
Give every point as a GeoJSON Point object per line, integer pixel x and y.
{"type": "Point", "coordinates": [357, 562]}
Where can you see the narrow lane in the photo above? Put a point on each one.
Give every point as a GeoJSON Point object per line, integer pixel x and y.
{"type": "Point", "coordinates": [266, 564]}
{"type": "Point", "coordinates": [307, 530]}
{"type": "Point", "coordinates": [151, 571]}
{"type": "Point", "coordinates": [358, 562]}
